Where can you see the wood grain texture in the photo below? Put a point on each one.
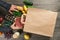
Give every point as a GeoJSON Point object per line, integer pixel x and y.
{"type": "Point", "coordinates": [40, 22]}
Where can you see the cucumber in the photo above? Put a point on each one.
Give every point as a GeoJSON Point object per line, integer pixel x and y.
{"type": "Point", "coordinates": [17, 13]}
{"type": "Point", "coordinates": [28, 3]}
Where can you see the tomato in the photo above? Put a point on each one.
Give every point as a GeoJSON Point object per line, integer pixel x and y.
{"type": "Point", "coordinates": [1, 19]}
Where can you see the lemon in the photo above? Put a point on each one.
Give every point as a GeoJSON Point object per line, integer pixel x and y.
{"type": "Point", "coordinates": [26, 37]}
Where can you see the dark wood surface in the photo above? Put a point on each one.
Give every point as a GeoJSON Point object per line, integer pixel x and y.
{"type": "Point", "coordinates": [53, 5]}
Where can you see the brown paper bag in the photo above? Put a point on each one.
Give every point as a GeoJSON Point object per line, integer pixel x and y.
{"type": "Point", "coordinates": [40, 22]}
